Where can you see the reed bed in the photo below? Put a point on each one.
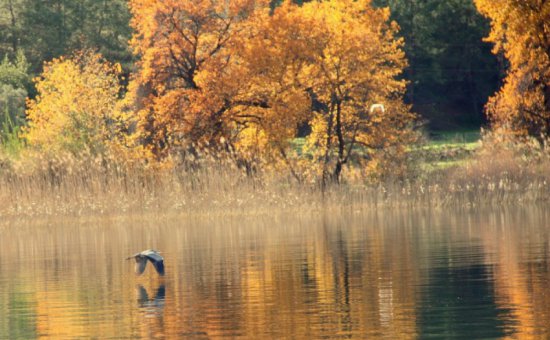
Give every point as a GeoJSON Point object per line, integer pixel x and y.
{"type": "Point", "coordinates": [99, 186]}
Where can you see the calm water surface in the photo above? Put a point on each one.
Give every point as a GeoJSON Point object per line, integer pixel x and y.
{"type": "Point", "coordinates": [468, 274]}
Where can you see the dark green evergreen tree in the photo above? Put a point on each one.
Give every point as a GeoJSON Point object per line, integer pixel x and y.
{"type": "Point", "coordinates": [50, 28]}
{"type": "Point", "coordinates": [452, 71]}
{"type": "Point", "coordinates": [10, 26]}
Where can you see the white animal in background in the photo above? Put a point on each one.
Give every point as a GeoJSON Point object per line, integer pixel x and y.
{"type": "Point", "coordinates": [375, 107]}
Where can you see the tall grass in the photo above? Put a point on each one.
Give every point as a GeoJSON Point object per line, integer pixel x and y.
{"type": "Point", "coordinates": [90, 185]}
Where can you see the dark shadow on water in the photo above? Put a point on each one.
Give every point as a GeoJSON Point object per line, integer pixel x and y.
{"type": "Point", "coordinates": [458, 302]}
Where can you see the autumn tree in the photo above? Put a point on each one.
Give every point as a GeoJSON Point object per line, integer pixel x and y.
{"type": "Point", "coordinates": [521, 31]}
{"type": "Point", "coordinates": [240, 76]}
{"type": "Point", "coordinates": [357, 63]}
{"type": "Point", "coordinates": [75, 105]}
{"type": "Point", "coordinates": [328, 63]}
{"type": "Point", "coordinates": [276, 98]}
{"type": "Point", "coordinates": [187, 75]}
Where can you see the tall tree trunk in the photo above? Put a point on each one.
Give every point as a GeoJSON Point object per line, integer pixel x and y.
{"type": "Point", "coordinates": [546, 90]}
{"type": "Point", "coordinates": [341, 143]}
{"type": "Point", "coordinates": [14, 35]}
{"type": "Point", "coordinates": [62, 33]}
{"type": "Point", "coordinates": [328, 147]}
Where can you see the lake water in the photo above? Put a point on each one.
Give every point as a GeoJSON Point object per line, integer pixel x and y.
{"type": "Point", "coordinates": [422, 274]}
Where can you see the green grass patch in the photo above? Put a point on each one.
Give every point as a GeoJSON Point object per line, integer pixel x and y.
{"type": "Point", "coordinates": [298, 145]}
{"type": "Point", "coordinates": [446, 149]}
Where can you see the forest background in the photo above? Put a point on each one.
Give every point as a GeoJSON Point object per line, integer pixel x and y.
{"type": "Point", "coordinates": [466, 104]}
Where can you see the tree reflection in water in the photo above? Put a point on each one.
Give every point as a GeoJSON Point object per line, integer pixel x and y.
{"type": "Point", "coordinates": [394, 275]}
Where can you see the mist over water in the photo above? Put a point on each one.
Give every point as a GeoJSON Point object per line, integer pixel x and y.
{"type": "Point", "coordinates": [390, 274]}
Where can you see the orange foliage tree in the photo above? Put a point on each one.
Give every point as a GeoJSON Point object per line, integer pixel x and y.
{"type": "Point", "coordinates": [240, 73]}
{"type": "Point", "coordinates": [75, 105]}
{"type": "Point", "coordinates": [521, 31]}
{"type": "Point", "coordinates": [188, 76]}
{"type": "Point", "coordinates": [333, 60]}
{"type": "Point", "coordinates": [356, 64]}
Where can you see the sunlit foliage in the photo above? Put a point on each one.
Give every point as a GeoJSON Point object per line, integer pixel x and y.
{"type": "Point", "coordinates": [240, 77]}
{"type": "Point", "coordinates": [357, 62]}
{"type": "Point", "coordinates": [520, 30]}
{"type": "Point", "coordinates": [74, 108]}
{"type": "Point", "coordinates": [187, 75]}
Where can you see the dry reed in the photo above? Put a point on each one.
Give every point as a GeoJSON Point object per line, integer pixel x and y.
{"type": "Point", "coordinates": [95, 185]}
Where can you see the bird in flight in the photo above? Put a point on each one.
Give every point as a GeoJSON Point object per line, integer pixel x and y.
{"type": "Point", "coordinates": [151, 255]}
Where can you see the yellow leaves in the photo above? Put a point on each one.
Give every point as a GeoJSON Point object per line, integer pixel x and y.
{"type": "Point", "coordinates": [316, 142]}
{"type": "Point", "coordinates": [188, 66]}
{"type": "Point", "coordinates": [520, 29]}
{"type": "Point", "coordinates": [252, 142]}
{"type": "Point", "coordinates": [237, 71]}
{"type": "Point", "coordinates": [357, 61]}
{"type": "Point", "coordinates": [76, 98]}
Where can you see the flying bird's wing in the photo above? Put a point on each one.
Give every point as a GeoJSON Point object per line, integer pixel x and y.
{"type": "Point", "coordinates": [141, 262]}
{"type": "Point", "coordinates": [156, 260]}
{"type": "Point", "coordinates": [159, 266]}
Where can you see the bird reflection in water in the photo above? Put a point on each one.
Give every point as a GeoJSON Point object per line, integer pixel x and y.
{"type": "Point", "coordinates": [151, 309]}
{"type": "Point", "coordinates": [153, 306]}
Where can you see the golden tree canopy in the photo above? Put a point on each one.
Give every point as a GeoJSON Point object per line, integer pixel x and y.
{"type": "Point", "coordinates": [357, 63]}
{"type": "Point", "coordinates": [521, 30]}
{"type": "Point", "coordinates": [187, 71]}
{"type": "Point", "coordinates": [239, 74]}
{"type": "Point", "coordinates": [75, 104]}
